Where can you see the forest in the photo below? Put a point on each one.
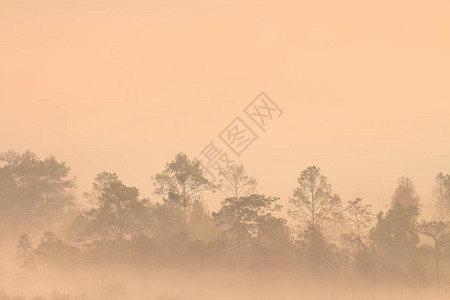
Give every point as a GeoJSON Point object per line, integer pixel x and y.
{"type": "Point", "coordinates": [319, 239]}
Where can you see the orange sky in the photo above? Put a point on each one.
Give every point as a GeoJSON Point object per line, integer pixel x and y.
{"type": "Point", "coordinates": [125, 85]}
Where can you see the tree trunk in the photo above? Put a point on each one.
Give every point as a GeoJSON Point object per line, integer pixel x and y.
{"type": "Point", "coordinates": [436, 245]}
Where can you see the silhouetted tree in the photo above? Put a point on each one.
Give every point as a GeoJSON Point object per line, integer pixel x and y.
{"type": "Point", "coordinates": [313, 203]}
{"type": "Point", "coordinates": [275, 236]}
{"type": "Point", "coordinates": [405, 193]}
{"type": "Point", "coordinates": [395, 236]}
{"type": "Point", "coordinates": [231, 219]}
{"type": "Point", "coordinates": [259, 213]}
{"type": "Point", "coordinates": [345, 251]}
{"type": "Point", "coordinates": [441, 195]}
{"type": "Point", "coordinates": [25, 255]}
{"type": "Point", "coordinates": [435, 230]}
{"type": "Point", "coordinates": [119, 213]}
{"type": "Point", "coordinates": [182, 182]}
{"type": "Point", "coordinates": [246, 218]}
{"type": "Point", "coordinates": [34, 191]}
{"type": "Point", "coordinates": [236, 182]}
{"type": "Point", "coordinates": [360, 217]}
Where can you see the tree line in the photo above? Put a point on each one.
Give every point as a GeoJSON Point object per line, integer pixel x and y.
{"type": "Point", "coordinates": [321, 234]}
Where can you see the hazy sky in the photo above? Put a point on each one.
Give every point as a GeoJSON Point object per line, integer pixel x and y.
{"type": "Point", "coordinates": [123, 86]}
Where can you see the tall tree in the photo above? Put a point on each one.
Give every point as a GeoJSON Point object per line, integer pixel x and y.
{"type": "Point", "coordinates": [405, 193]}
{"type": "Point", "coordinates": [441, 195]}
{"type": "Point", "coordinates": [313, 203]}
{"type": "Point", "coordinates": [182, 181]}
{"type": "Point", "coordinates": [236, 182]}
{"type": "Point", "coordinates": [119, 213]}
{"type": "Point", "coordinates": [25, 255]}
{"type": "Point", "coordinates": [436, 230]}
{"type": "Point", "coordinates": [34, 191]}
{"type": "Point", "coordinates": [259, 211]}
{"type": "Point", "coordinates": [248, 218]}
{"type": "Point", "coordinates": [232, 219]}
{"type": "Point", "coordinates": [396, 237]}
{"type": "Point", "coordinates": [360, 217]}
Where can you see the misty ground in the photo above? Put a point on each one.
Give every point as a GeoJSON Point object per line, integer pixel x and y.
{"type": "Point", "coordinates": [207, 284]}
